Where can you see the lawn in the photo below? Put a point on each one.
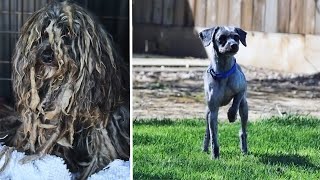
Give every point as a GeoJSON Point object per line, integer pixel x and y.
{"type": "Point", "coordinates": [279, 148]}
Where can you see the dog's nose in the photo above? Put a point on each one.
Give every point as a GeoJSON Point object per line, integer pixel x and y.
{"type": "Point", "coordinates": [47, 58]}
{"type": "Point", "coordinates": [234, 47]}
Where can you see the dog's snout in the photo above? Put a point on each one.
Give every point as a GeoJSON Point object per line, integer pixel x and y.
{"type": "Point", "coordinates": [235, 47]}
{"type": "Point", "coordinates": [47, 56]}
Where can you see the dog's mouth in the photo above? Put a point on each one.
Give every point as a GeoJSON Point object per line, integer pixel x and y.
{"type": "Point", "coordinates": [229, 51]}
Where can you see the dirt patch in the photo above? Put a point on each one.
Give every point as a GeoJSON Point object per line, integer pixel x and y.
{"type": "Point", "coordinates": [178, 93]}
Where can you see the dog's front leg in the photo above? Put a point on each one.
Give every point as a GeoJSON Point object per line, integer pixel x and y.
{"type": "Point", "coordinates": [232, 112]}
{"type": "Point", "coordinates": [243, 111]}
{"type": "Point", "coordinates": [213, 127]}
{"type": "Point", "coordinates": [207, 134]}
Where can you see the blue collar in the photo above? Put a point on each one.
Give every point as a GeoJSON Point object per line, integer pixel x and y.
{"type": "Point", "coordinates": [218, 76]}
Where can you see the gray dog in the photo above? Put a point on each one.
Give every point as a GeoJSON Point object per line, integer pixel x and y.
{"type": "Point", "coordinates": [224, 81]}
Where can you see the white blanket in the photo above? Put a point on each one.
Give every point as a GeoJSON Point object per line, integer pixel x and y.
{"type": "Point", "coordinates": [52, 167]}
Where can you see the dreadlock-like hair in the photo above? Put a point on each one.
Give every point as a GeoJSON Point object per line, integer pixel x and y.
{"type": "Point", "coordinates": [71, 90]}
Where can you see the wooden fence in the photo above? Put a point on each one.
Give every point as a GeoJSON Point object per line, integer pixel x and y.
{"type": "Point", "coordinates": [284, 16]}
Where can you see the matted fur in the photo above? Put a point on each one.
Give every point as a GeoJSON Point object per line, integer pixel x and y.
{"type": "Point", "coordinates": [70, 90]}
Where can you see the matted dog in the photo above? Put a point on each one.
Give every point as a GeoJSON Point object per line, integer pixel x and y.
{"type": "Point", "coordinates": [71, 91]}
{"type": "Point", "coordinates": [224, 81]}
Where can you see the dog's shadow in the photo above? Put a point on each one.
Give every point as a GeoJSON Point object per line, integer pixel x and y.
{"type": "Point", "coordinates": [288, 160]}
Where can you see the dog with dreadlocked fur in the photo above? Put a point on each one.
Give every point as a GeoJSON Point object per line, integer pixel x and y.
{"type": "Point", "coordinates": [71, 91]}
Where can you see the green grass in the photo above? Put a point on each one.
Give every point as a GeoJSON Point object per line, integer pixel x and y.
{"type": "Point", "coordinates": [280, 148]}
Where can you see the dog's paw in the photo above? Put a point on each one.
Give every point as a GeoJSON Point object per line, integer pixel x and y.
{"type": "Point", "coordinates": [245, 152]}
{"type": "Point", "coordinates": [215, 153]}
{"type": "Point", "coordinates": [214, 157]}
{"type": "Point", "coordinates": [205, 150]}
{"type": "Point", "coordinates": [232, 116]}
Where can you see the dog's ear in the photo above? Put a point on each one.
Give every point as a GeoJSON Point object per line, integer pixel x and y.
{"type": "Point", "coordinates": [242, 35]}
{"type": "Point", "coordinates": [207, 35]}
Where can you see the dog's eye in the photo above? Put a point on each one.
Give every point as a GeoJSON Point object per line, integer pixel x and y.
{"type": "Point", "coordinates": [222, 38]}
{"type": "Point", "coordinates": [47, 56]}
{"type": "Point", "coordinates": [236, 38]}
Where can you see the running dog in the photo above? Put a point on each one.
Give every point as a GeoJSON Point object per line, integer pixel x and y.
{"type": "Point", "coordinates": [224, 81]}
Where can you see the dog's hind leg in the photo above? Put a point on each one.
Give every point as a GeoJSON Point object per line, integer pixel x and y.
{"type": "Point", "coordinates": [243, 111]}
{"type": "Point", "coordinates": [207, 134]}
{"type": "Point", "coordinates": [213, 128]}
{"type": "Point", "coordinates": [232, 112]}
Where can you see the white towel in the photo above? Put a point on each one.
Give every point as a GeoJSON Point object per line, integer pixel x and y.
{"type": "Point", "coordinates": [117, 169]}
{"type": "Point", "coordinates": [51, 167]}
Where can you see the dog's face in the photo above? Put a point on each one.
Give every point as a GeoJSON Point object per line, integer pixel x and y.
{"type": "Point", "coordinates": [225, 40]}
{"type": "Point", "coordinates": [47, 50]}
{"type": "Point", "coordinates": [59, 36]}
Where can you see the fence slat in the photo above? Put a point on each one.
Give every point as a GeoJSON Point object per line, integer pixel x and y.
{"type": "Point", "coordinates": [258, 14]}
{"type": "Point", "coordinates": [309, 16]}
{"type": "Point", "coordinates": [137, 9]}
{"type": "Point", "coordinates": [168, 6]}
{"type": "Point", "coordinates": [200, 13]}
{"type": "Point", "coordinates": [317, 25]}
{"type": "Point", "coordinates": [283, 15]}
{"type": "Point", "coordinates": [223, 12]}
{"type": "Point", "coordinates": [271, 16]}
{"type": "Point", "coordinates": [211, 11]}
{"type": "Point", "coordinates": [235, 13]}
{"type": "Point", "coordinates": [190, 9]}
{"type": "Point", "coordinates": [147, 11]}
{"type": "Point", "coordinates": [246, 14]}
{"type": "Point", "coordinates": [296, 16]}
{"type": "Point", "coordinates": [157, 11]}
{"type": "Point", "coordinates": [179, 12]}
